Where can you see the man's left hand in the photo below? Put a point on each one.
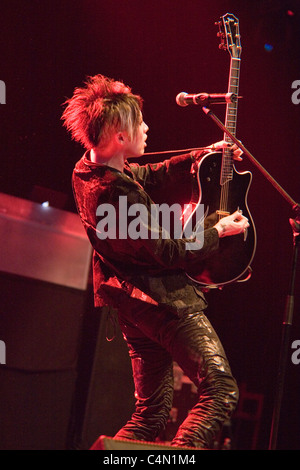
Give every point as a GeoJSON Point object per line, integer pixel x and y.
{"type": "Point", "coordinates": [222, 144]}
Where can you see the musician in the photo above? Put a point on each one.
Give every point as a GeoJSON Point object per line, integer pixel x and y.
{"type": "Point", "coordinates": [160, 310]}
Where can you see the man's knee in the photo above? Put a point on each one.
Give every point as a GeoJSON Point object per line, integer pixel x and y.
{"type": "Point", "coordinates": [232, 397]}
{"type": "Point", "coordinates": [223, 390]}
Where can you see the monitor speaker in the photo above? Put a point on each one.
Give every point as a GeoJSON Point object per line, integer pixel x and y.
{"type": "Point", "coordinates": [108, 443]}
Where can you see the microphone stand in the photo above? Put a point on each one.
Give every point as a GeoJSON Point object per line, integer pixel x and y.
{"type": "Point", "coordinates": [289, 307]}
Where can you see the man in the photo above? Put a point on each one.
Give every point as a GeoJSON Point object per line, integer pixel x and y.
{"type": "Point", "coordinates": [160, 310]}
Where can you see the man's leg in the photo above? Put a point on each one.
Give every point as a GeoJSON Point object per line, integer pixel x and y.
{"type": "Point", "coordinates": [191, 341]}
{"type": "Point", "coordinates": [199, 352]}
{"type": "Point", "coordinates": [152, 368]}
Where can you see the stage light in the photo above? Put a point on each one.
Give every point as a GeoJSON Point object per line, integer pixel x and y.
{"type": "Point", "coordinates": [268, 47]}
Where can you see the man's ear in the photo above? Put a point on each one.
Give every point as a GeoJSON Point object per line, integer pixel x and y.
{"type": "Point", "coordinates": [120, 136]}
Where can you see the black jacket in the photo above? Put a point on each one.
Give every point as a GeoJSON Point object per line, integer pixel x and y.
{"type": "Point", "coordinates": [151, 269]}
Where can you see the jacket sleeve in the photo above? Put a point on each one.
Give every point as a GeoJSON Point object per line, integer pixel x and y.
{"type": "Point", "coordinates": [140, 244]}
{"type": "Point", "coordinates": [167, 178]}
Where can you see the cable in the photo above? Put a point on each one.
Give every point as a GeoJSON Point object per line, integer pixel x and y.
{"type": "Point", "coordinates": [177, 151]}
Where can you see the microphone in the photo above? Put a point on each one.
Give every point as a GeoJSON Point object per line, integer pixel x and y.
{"type": "Point", "coordinates": [205, 99]}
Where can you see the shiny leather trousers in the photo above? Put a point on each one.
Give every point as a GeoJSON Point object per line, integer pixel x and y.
{"type": "Point", "coordinates": [156, 337]}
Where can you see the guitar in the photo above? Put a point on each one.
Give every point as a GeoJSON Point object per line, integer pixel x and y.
{"type": "Point", "coordinates": [222, 190]}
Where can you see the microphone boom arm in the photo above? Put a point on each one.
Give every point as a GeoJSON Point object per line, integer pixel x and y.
{"type": "Point", "coordinates": [289, 307]}
{"type": "Point", "coordinates": [270, 178]}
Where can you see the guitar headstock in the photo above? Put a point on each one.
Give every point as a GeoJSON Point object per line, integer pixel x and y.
{"type": "Point", "coordinates": [229, 35]}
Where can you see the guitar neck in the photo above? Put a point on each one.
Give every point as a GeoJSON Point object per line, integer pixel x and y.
{"type": "Point", "coordinates": [231, 119]}
{"type": "Point", "coordinates": [233, 87]}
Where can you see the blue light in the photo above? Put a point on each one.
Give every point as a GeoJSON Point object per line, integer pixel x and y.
{"type": "Point", "coordinates": [268, 47]}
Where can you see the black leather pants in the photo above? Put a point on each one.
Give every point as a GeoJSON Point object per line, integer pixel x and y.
{"type": "Point", "coordinates": [156, 337]}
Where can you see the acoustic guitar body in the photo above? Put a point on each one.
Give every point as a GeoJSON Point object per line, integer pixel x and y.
{"type": "Point", "coordinates": [232, 261]}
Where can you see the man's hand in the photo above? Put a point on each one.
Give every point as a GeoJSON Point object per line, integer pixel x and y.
{"type": "Point", "coordinates": [218, 147]}
{"type": "Point", "coordinates": [232, 224]}
{"type": "Point", "coordinates": [222, 144]}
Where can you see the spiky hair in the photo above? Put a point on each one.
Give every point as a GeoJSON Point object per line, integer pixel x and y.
{"type": "Point", "coordinates": [102, 105]}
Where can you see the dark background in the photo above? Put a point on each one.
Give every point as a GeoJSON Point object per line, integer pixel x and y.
{"type": "Point", "coordinates": [161, 48]}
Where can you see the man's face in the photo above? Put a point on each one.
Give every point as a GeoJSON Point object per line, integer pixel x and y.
{"type": "Point", "coordinates": [136, 145]}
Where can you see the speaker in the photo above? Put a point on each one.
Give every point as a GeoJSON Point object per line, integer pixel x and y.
{"type": "Point", "coordinates": [40, 325]}
{"type": "Point", "coordinates": [35, 409]}
{"type": "Point", "coordinates": [44, 270]}
{"type": "Point", "coordinates": [106, 401]}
